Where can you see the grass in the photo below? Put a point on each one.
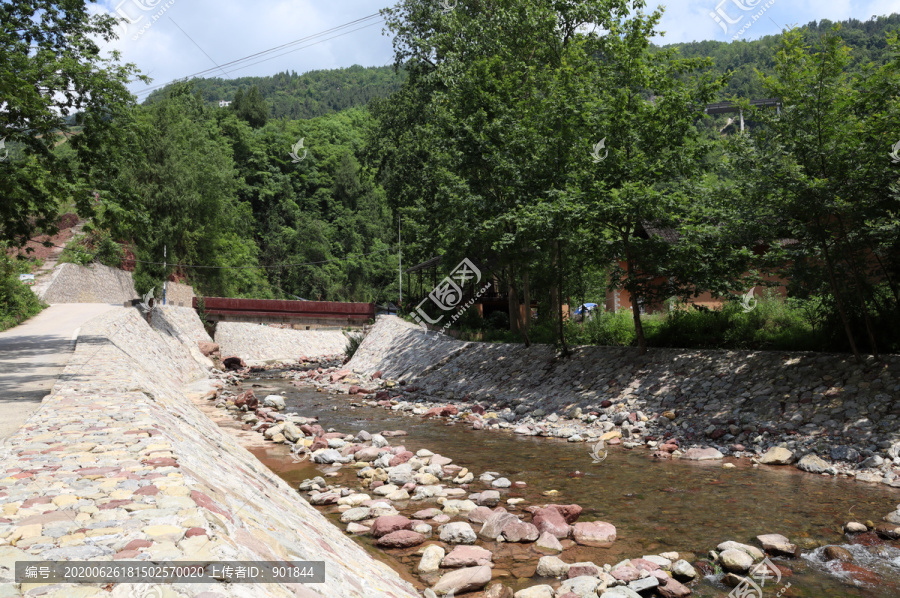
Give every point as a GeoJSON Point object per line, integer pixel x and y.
{"type": "Point", "coordinates": [774, 324]}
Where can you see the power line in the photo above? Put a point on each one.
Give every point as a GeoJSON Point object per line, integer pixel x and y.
{"type": "Point", "coordinates": [302, 47]}
{"type": "Point", "coordinates": [277, 48]}
{"type": "Point", "coordinates": [198, 46]}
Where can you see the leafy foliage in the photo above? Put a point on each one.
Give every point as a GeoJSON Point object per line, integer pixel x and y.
{"type": "Point", "coordinates": [50, 68]}
{"type": "Point", "coordinates": [17, 301]}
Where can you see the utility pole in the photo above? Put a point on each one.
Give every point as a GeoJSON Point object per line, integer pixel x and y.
{"type": "Point", "coordinates": [166, 279]}
{"type": "Point", "coordinates": [400, 267]}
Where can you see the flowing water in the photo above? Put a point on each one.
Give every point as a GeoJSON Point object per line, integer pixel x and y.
{"type": "Point", "coordinates": [656, 506]}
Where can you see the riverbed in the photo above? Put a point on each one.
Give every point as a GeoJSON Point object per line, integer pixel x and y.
{"type": "Point", "coordinates": [656, 506]}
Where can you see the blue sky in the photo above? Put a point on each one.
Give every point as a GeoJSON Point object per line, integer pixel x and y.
{"type": "Point", "coordinates": [188, 36]}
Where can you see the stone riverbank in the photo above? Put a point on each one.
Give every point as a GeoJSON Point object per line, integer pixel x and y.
{"type": "Point", "coordinates": [825, 413]}
{"type": "Point", "coordinates": [118, 463]}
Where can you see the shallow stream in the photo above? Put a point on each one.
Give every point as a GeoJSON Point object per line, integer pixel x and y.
{"type": "Point", "coordinates": [656, 506]}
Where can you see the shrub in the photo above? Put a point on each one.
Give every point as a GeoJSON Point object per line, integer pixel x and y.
{"type": "Point", "coordinates": [354, 340]}
{"type": "Point", "coordinates": [17, 301]}
{"type": "Point", "coordinates": [93, 246]}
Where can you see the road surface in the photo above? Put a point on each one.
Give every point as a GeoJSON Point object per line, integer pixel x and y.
{"type": "Point", "coordinates": [33, 354]}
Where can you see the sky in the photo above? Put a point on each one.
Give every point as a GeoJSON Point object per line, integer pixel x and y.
{"type": "Point", "coordinates": [172, 39]}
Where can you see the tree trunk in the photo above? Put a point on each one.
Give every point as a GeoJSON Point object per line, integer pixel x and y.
{"type": "Point", "coordinates": [635, 306]}
{"type": "Point", "coordinates": [559, 299]}
{"type": "Point", "coordinates": [516, 323]}
{"type": "Point", "coordinates": [840, 304]}
{"type": "Point", "coordinates": [512, 299]}
{"type": "Point", "coordinates": [526, 296]}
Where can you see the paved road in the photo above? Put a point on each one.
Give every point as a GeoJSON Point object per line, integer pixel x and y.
{"type": "Point", "coordinates": [33, 354]}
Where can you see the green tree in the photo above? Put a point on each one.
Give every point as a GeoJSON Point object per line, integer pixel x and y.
{"type": "Point", "coordinates": [50, 69]}
{"type": "Point", "coordinates": [819, 173]}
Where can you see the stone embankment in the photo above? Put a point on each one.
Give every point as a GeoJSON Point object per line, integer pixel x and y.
{"type": "Point", "coordinates": [256, 343]}
{"type": "Point", "coordinates": [71, 283]}
{"type": "Point", "coordinates": [118, 463]}
{"type": "Point", "coordinates": [826, 412]}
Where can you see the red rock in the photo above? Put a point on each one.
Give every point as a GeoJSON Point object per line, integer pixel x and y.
{"type": "Point", "coordinates": [594, 533]}
{"type": "Point", "coordinates": [449, 410]}
{"type": "Point", "coordinates": [479, 514]}
{"type": "Point", "coordinates": [671, 588]}
{"type": "Point", "coordinates": [204, 501]}
{"type": "Point", "coordinates": [401, 458]}
{"type": "Point", "coordinates": [376, 375]}
{"type": "Point", "coordinates": [387, 524]}
{"type": "Point", "coordinates": [39, 500]}
{"type": "Point", "coordinates": [382, 395]}
{"type": "Point", "coordinates": [318, 443]}
{"type": "Point", "coordinates": [400, 539]}
{"type": "Point", "coordinates": [247, 399]}
{"type": "Point", "coordinates": [340, 375]}
{"type": "Point", "coordinates": [519, 531]}
{"type": "Point", "coordinates": [354, 390]}
{"type": "Point", "coordinates": [570, 513]}
{"type": "Point", "coordinates": [331, 435]}
{"type": "Point", "coordinates": [208, 348]}
{"type": "Point", "coordinates": [662, 455]}
{"type": "Point", "coordinates": [642, 565]}
{"type": "Point", "coordinates": [606, 404]}
{"type": "Point", "coordinates": [195, 531]}
{"type": "Point", "coordinates": [478, 409]}
{"type": "Point", "coordinates": [550, 520]}
{"type": "Point", "coordinates": [466, 556]}
{"type": "Point", "coordinates": [625, 573]}
{"type": "Point", "coordinates": [135, 544]}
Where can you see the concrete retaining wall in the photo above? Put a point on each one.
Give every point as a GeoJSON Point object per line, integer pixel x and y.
{"type": "Point", "coordinates": [258, 343]}
{"type": "Point", "coordinates": [823, 398]}
{"type": "Point", "coordinates": [119, 463]}
{"type": "Point", "coordinates": [71, 283]}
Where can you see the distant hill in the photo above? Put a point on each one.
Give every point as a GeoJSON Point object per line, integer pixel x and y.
{"type": "Point", "coordinates": [318, 93]}
{"type": "Point", "coordinates": [866, 38]}
{"type": "Point", "coordinates": [309, 95]}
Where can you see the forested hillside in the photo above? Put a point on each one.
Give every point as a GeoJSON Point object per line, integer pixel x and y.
{"type": "Point", "coordinates": [316, 93]}
{"type": "Point", "coordinates": [311, 94]}
{"type": "Point", "coordinates": [866, 41]}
